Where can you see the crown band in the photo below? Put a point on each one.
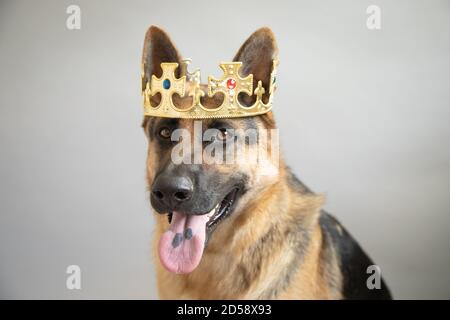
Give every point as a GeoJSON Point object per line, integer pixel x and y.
{"type": "Point", "coordinates": [231, 84]}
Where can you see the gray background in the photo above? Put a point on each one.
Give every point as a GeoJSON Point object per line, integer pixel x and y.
{"type": "Point", "coordinates": [370, 129]}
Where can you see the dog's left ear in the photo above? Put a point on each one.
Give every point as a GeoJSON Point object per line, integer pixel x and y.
{"type": "Point", "coordinates": [158, 48]}
{"type": "Point", "coordinates": [257, 55]}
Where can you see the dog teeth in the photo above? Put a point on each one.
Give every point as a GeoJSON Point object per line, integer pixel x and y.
{"type": "Point", "coordinates": [211, 213]}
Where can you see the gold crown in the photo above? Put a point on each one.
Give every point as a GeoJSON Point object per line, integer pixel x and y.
{"type": "Point", "coordinates": [231, 84]}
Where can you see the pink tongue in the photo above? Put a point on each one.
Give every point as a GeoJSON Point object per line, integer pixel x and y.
{"type": "Point", "coordinates": [181, 246]}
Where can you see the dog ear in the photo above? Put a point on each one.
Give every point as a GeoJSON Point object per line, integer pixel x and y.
{"type": "Point", "coordinates": [257, 55]}
{"type": "Point", "coordinates": [158, 48]}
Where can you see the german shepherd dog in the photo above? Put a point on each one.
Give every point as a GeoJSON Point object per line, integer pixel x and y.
{"type": "Point", "coordinates": [241, 231]}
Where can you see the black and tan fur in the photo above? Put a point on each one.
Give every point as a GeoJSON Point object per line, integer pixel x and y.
{"type": "Point", "coordinates": [278, 243]}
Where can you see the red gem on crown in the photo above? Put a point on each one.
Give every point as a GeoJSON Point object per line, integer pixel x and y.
{"type": "Point", "coordinates": [231, 83]}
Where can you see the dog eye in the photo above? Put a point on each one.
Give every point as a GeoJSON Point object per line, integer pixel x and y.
{"type": "Point", "coordinates": [164, 133]}
{"type": "Point", "coordinates": [223, 134]}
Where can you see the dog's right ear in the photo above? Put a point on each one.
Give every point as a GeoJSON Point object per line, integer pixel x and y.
{"type": "Point", "coordinates": [158, 48]}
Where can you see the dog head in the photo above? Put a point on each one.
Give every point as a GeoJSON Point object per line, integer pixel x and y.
{"type": "Point", "coordinates": [207, 182]}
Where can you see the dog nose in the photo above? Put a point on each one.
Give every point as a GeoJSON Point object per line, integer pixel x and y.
{"type": "Point", "coordinates": [173, 190]}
